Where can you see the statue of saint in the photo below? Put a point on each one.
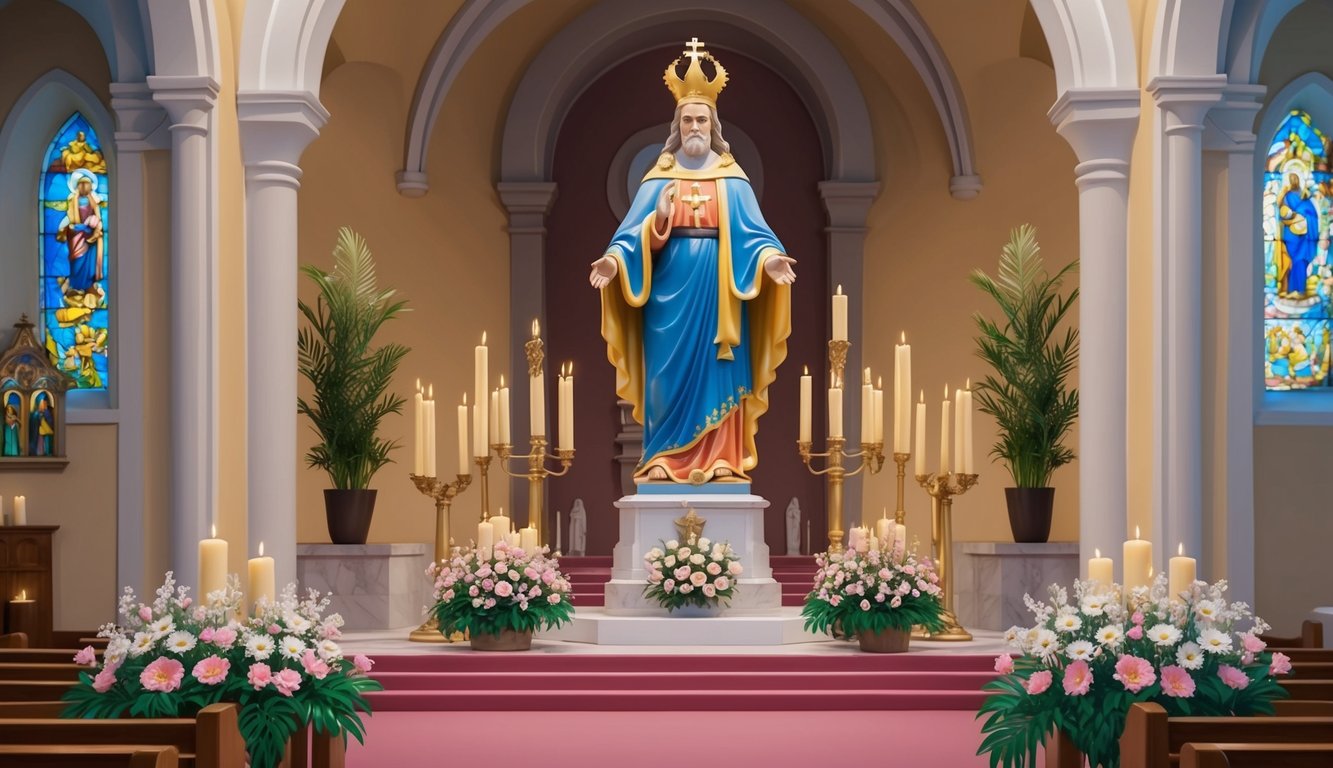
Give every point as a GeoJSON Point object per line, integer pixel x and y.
{"type": "Point", "coordinates": [578, 529]}
{"type": "Point", "coordinates": [794, 527]}
{"type": "Point", "coordinates": [696, 297]}
{"type": "Point", "coordinates": [1300, 238]}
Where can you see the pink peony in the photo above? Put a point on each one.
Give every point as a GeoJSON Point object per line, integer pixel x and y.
{"type": "Point", "coordinates": [1253, 644]}
{"type": "Point", "coordinates": [722, 583]}
{"type": "Point", "coordinates": [1134, 673]}
{"type": "Point", "coordinates": [260, 676]}
{"type": "Point", "coordinates": [314, 666]}
{"type": "Point", "coordinates": [1078, 678]}
{"type": "Point", "coordinates": [104, 680]}
{"type": "Point", "coordinates": [145, 613]}
{"type": "Point", "coordinates": [1234, 678]}
{"type": "Point", "coordinates": [1137, 618]}
{"type": "Point", "coordinates": [504, 589]}
{"type": "Point", "coordinates": [185, 603]}
{"type": "Point", "coordinates": [162, 675]}
{"type": "Point", "coordinates": [86, 658]}
{"type": "Point", "coordinates": [274, 629]}
{"type": "Point", "coordinates": [287, 681]}
{"type": "Point", "coordinates": [1039, 682]}
{"type": "Point", "coordinates": [211, 671]}
{"type": "Point", "coordinates": [1281, 664]}
{"type": "Point", "coordinates": [548, 577]}
{"type": "Point", "coordinates": [206, 636]}
{"type": "Point", "coordinates": [1135, 632]}
{"type": "Point", "coordinates": [1177, 682]}
{"type": "Point", "coordinates": [362, 664]}
{"type": "Point", "coordinates": [224, 637]}
{"type": "Point", "coordinates": [553, 598]}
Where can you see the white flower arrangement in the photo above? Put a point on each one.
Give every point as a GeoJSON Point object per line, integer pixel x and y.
{"type": "Point", "coordinates": [696, 572]}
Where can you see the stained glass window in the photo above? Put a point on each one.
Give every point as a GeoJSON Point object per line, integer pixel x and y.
{"type": "Point", "coordinates": [75, 253]}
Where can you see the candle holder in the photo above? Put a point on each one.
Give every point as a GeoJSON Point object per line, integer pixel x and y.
{"type": "Point", "coordinates": [443, 493]}
{"type": "Point", "coordinates": [900, 512]}
{"type": "Point", "coordinates": [536, 473]}
{"type": "Point", "coordinates": [837, 359]}
{"type": "Point", "coordinates": [483, 467]}
{"type": "Point", "coordinates": [872, 460]}
{"type": "Point", "coordinates": [942, 488]}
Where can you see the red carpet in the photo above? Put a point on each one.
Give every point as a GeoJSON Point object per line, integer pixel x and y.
{"type": "Point", "coordinates": [587, 575]}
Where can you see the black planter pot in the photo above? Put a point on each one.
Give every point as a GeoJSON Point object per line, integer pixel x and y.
{"type": "Point", "coordinates": [348, 512]}
{"type": "Point", "coordinates": [1030, 513]}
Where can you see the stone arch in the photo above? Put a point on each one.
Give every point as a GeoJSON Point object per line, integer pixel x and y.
{"type": "Point", "coordinates": [283, 44]}
{"type": "Point", "coordinates": [1092, 44]}
{"type": "Point", "coordinates": [1250, 29]}
{"type": "Point", "coordinates": [123, 31]}
{"type": "Point", "coordinates": [183, 37]}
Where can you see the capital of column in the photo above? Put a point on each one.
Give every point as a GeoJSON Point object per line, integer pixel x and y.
{"type": "Point", "coordinates": [1099, 123]}
{"type": "Point", "coordinates": [188, 100]}
{"type": "Point", "coordinates": [141, 123]}
{"type": "Point", "coordinates": [1186, 100]}
{"type": "Point", "coordinates": [276, 127]}
{"type": "Point", "coordinates": [847, 203]}
{"type": "Point", "coordinates": [527, 203]}
{"type": "Point", "coordinates": [1230, 125]}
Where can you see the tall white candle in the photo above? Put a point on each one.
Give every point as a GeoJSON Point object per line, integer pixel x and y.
{"type": "Point", "coordinates": [867, 408]}
{"type": "Point", "coordinates": [479, 392]}
{"type": "Point", "coordinates": [884, 530]}
{"type": "Point", "coordinates": [212, 564]}
{"type": "Point", "coordinates": [835, 412]}
{"type": "Point", "coordinates": [505, 437]}
{"type": "Point", "coordinates": [944, 433]}
{"type": "Point", "coordinates": [806, 394]}
{"type": "Point", "coordinates": [419, 432]}
{"type": "Point", "coordinates": [879, 412]}
{"type": "Point", "coordinates": [537, 395]}
{"type": "Point", "coordinates": [839, 316]}
{"type": "Point", "coordinates": [1101, 569]}
{"type": "Point", "coordinates": [430, 431]}
{"type": "Point", "coordinates": [485, 535]}
{"type": "Point", "coordinates": [958, 430]}
{"type": "Point", "coordinates": [903, 395]}
{"type": "Point", "coordinates": [20, 510]}
{"type": "Point", "coordinates": [464, 466]}
{"type": "Point", "coordinates": [1180, 574]}
{"type": "Point", "coordinates": [501, 523]}
{"type": "Point", "coordinates": [566, 390]}
{"type": "Point", "coordinates": [493, 413]}
{"type": "Point", "coordinates": [479, 447]}
{"type": "Point", "coordinates": [1137, 562]}
{"type": "Point", "coordinates": [919, 456]}
{"type": "Point", "coordinates": [968, 456]}
{"type": "Point", "coordinates": [527, 539]}
{"type": "Point", "coordinates": [262, 583]}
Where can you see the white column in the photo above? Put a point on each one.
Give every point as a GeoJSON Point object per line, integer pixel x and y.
{"type": "Point", "coordinates": [139, 128]}
{"type": "Point", "coordinates": [275, 129]}
{"type": "Point", "coordinates": [847, 203]}
{"type": "Point", "coordinates": [189, 103]}
{"type": "Point", "coordinates": [1230, 473]}
{"type": "Point", "coordinates": [1182, 103]}
{"type": "Point", "coordinates": [1100, 125]}
{"type": "Point", "coordinates": [527, 203]}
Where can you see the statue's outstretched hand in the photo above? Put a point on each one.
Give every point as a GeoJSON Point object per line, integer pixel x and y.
{"type": "Point", "coordinates": [779, 269]}
{"type": "Point", "coordinates": [603, 270]}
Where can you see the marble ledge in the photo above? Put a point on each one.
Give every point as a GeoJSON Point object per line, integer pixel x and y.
{"type": "Point", "coordinates": [413, 549]}
{"type": "Point", "coordinates": [1002, 548]}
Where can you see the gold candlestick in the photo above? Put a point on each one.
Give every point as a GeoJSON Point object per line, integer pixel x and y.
{"type": "Point", "coordinates": [900, 512]}
{"type": "Point", "coordinates": [536, 473]}
{"type": "Point", "coordinates": [443, 493]}
{"type": "Point", "coordinates": [942, 489]}
{"type": "Point", "coordinates": [483, 466]}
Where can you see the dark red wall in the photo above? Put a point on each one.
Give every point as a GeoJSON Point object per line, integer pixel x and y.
{"type": "Point", "coordinates": [622, 102]}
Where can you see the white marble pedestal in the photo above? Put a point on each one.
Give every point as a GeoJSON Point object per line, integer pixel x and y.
{"type": "Point", "coordinates": [373, 586]}
{"type": "Point", "coordinates": [991, 577]}
{"type": "Point", "coordinates": [649, 518]}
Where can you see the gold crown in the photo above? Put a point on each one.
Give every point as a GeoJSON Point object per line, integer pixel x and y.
{"type": "Point", "coordinates": [696, 88]}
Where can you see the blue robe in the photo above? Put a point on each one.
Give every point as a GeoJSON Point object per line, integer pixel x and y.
{"type": "Point", "coordinates": [693, 329]}
{"type": "Point", "coordinates": [1301, 247]}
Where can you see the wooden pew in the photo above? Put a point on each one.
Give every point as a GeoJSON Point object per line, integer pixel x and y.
{"type": "Point", "coordinates": [1154, 740]}
{"type": "Point", "coordinates": [1297, 655]}
{"type": "Point", "coordinates": [1309, 690]}
{"type": "Point", "coordinates": [1256, 755]}
{"type": "Point", "coordinates": [51, 709]}
{"type": "Point", "coordinates": [211, 740]}
{"type": "Point", "coordinates": [14, 640]}
{"type": "Point", "coordinates": [67, 672]}
{"type": "Point", "coordinates": [1311, 636]}
{"type": "Point", "coordinates": [1294, 708]}
{"type": "Point", "coordinates": [91, 756]}
{"type": "Point", "coordinates": [40, 656]}
{"type": "Point", "coordinates": [33, 690]}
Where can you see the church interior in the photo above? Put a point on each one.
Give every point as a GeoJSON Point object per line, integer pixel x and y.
{"type": "Point", "coordinates": [194, 190]}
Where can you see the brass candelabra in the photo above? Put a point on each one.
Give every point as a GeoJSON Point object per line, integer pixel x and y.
{"type": "Point", "coordinates": [443, 493]}
{"type": "Point", "coordinates": [900, 512]}
{"type": "Point", "coordinates": [536, 473]}
{"type": "Point", "coordinates": [835, 469]}
{"type": "Point", "coordinates": [483, 468]}
{"type": "Point", "coordinates": [942, 488]}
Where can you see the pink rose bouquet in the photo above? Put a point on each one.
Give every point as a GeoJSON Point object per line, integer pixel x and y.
{"type": "Point", "coordinates": [485, 592]}
{"type": "Point", "coordinates": [873, 591]}
{"type": "Point", "coordinates": [1197, 654]}
{"type": "Point", "coordinates": [175, 656]}
{"type": "Point", "coordinates": [697, 571]}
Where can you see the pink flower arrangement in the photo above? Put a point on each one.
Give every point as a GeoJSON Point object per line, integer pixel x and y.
{"type": "Point", "coordinates": [1177, 682]}
{"type": "Point", "coordinates": [259, 676]}
{"type": "Point", "coordinates": [313, 666]}
{"type": "Point", "coordinates": [1078, 678]}
{"type": "Point", "coordinates": [86, 657]}
{"type": "Point", "coordinates": [1134, 673]}
{"type": "Point", "coordinates": [104, 679]}
{"type": "Point", "coordinates": [211, 671]}
{"type": "Point", "coordinates": [1232, 677]}
{"type": "Point", "coordinates": [697, 571]}
{"type": "Point", "coordinates": [162, 675]}
{"type": "Point", "coordinates": [502, 587]}
{"type": "Point", "coordinates": [362, 664]}
{"type": "Point", "coordinates": [1039, 682]}
{"type": "Point", "coordinates": [1004, 663]}
{"type": "Point", "coordinates": [1281, 664]}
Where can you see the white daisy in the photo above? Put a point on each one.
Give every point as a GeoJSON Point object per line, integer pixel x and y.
{"type": "Point", "coordinates": [1045, 643]}
{"type": "Point", "coordinates": [1068, 622]}
{"type": "Point", "coordinates": [1207, 610]}
{"type": "Point", "coordinates": [329, 650]}
{"type": "Point", "coordinates": [291, 647]}
{"type": "Point", "coordinates": [1190, 656]}
{"type": "Point", "coordinates": [1080, 650]}
{"type": "Point", "coordinates": [1093, 605]}
{"type": "Point", "coordinates": [162, 626]}
{"type": "Point", "coordinates": [1164, 634]}
{"type": "Point", "coordinates": [259, 647]}
{"type": "Point", "coordinates": [1215, 641]}
{"type": "Point", "coordinates": [296, 623]}
{"type": "Point", "coordinates": [143, 642]}
{"type": "Point", "coordinates": [180, 642]}
{"type": "Point", "coordinates": [1110, 635]}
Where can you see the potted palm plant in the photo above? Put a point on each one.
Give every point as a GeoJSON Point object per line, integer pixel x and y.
{"type": "Point", "coordinates": [351, 382]}
{"type": "Point", "coordinates": [1028, 393]}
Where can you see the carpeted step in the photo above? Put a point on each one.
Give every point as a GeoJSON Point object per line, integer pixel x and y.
{"type": "Point", "coordinates": [465, 661]}
{"type": "Point", "coordinates": [684, 681]}
{"type": "Point", "coordinates": [540, 700]}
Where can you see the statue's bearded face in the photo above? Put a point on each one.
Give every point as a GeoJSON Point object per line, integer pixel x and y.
{"type": "Point", "coordinates": [695, 125]}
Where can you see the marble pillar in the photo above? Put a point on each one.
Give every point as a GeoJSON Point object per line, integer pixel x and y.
{"type": "Point", "coordinates": [373, 586]}
{"type": "Point", "coordinates": [991, 577]}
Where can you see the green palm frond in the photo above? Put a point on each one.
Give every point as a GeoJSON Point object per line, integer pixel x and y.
{"type": "Point", "coordinates": [1028, 393]}
{"type": "Point", "coordinates": [350, 378]}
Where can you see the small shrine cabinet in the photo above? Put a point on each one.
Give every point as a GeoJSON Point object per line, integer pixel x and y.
{"type": "Point", "coordinates": [32, 400]}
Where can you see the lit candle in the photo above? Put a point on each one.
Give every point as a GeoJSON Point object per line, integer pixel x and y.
{"type": "Point", "coordinates": [1138, 562]}
{"type": "Point", "coordinates": [835, 412]}
{"type": "Point", "coordinates": [262, 583]}
{"type": "Point", "coordinates": [867, 408]}
{"type": "Point", "coordinates": [504, 413]}
{"type": "Point", "coordinates": [1180, 574]}
{"type": "Point", "coordinates": [902, 395]}
{"type": "Point", "coordinates": [501, 523]}
{"type": "Point", "coordinates": [494, 414]}
{"type": "Point", "coordinates": [884, 530]}
{"type": "Point", "coordinates": [514, 539]}
{"type": "Point", "coordinates": [20, 510]}
{"type": "Point", "coordinates": [958, 430]}
{"type": "Point", "coordinates": [464, 468]}
{"type": "Point", "coordinates": [212, 564]}
{"type": "Point", "coordinates": [806, 394]}
{"type": "Point", "coordinates": [879, 412]}
{"type": "Point", "coordinates": [919, 456]}
{"type": "Point", "coordinates": [565, 389]}
{"type": "Point", "coordinates": [899, 539]}
{"type": "Point", "coordinates": [527, 539]}
{"type": "Point", "coordinates": [967, 428]}
{"type": "Point", "coordinates": [430, 431]}
{"type": "Point", "coordinates": [537, 395]}
{"type": "Point", "coordinates": [839, 316]}
{"type": "Point", "coordinates": [418, 414]}
{"type": "Point", "coordinates": [485, 535]}
{"type": "Point", "coordinates": [22, 597]}
{"type": "Point", "coordinates": [1101, 569]}
{"type": "Point", "coordinates": [480, 377]}
{"type": "Point", "coordinates": [944, 433]}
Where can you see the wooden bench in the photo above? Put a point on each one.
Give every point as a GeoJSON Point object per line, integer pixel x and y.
{"type": "Point", "coordinates": [42, 656]}
{"type": "Point", "coordinates": [14, 640]}
{"type": "Point", "coordinates": [1294, 708]}
{"type": "Point", "coordinates": [1154, 740]}
{"type": "Point", "coordinates": [90, 755]}
{"type": "Point", "coordinates": [66, 672]}
{"type": "Point", "coordinates": [1228, 755]}
{"type": "Point", "coordinates": [33, 690]}
{"type": "Point", "coordinates": [1311, 636]}
{"type": "Point", "coordinates": [1297, 655]}
{"type": "Point", "coordinates": [210, 740]}
{"type": "Point", "coordinates": [1309, 690]}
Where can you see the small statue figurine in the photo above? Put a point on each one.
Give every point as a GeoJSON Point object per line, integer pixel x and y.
{"type": "Point", "coordinates": [578, 529]}
{"type": "Point", "coordinates": [794, 527]}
